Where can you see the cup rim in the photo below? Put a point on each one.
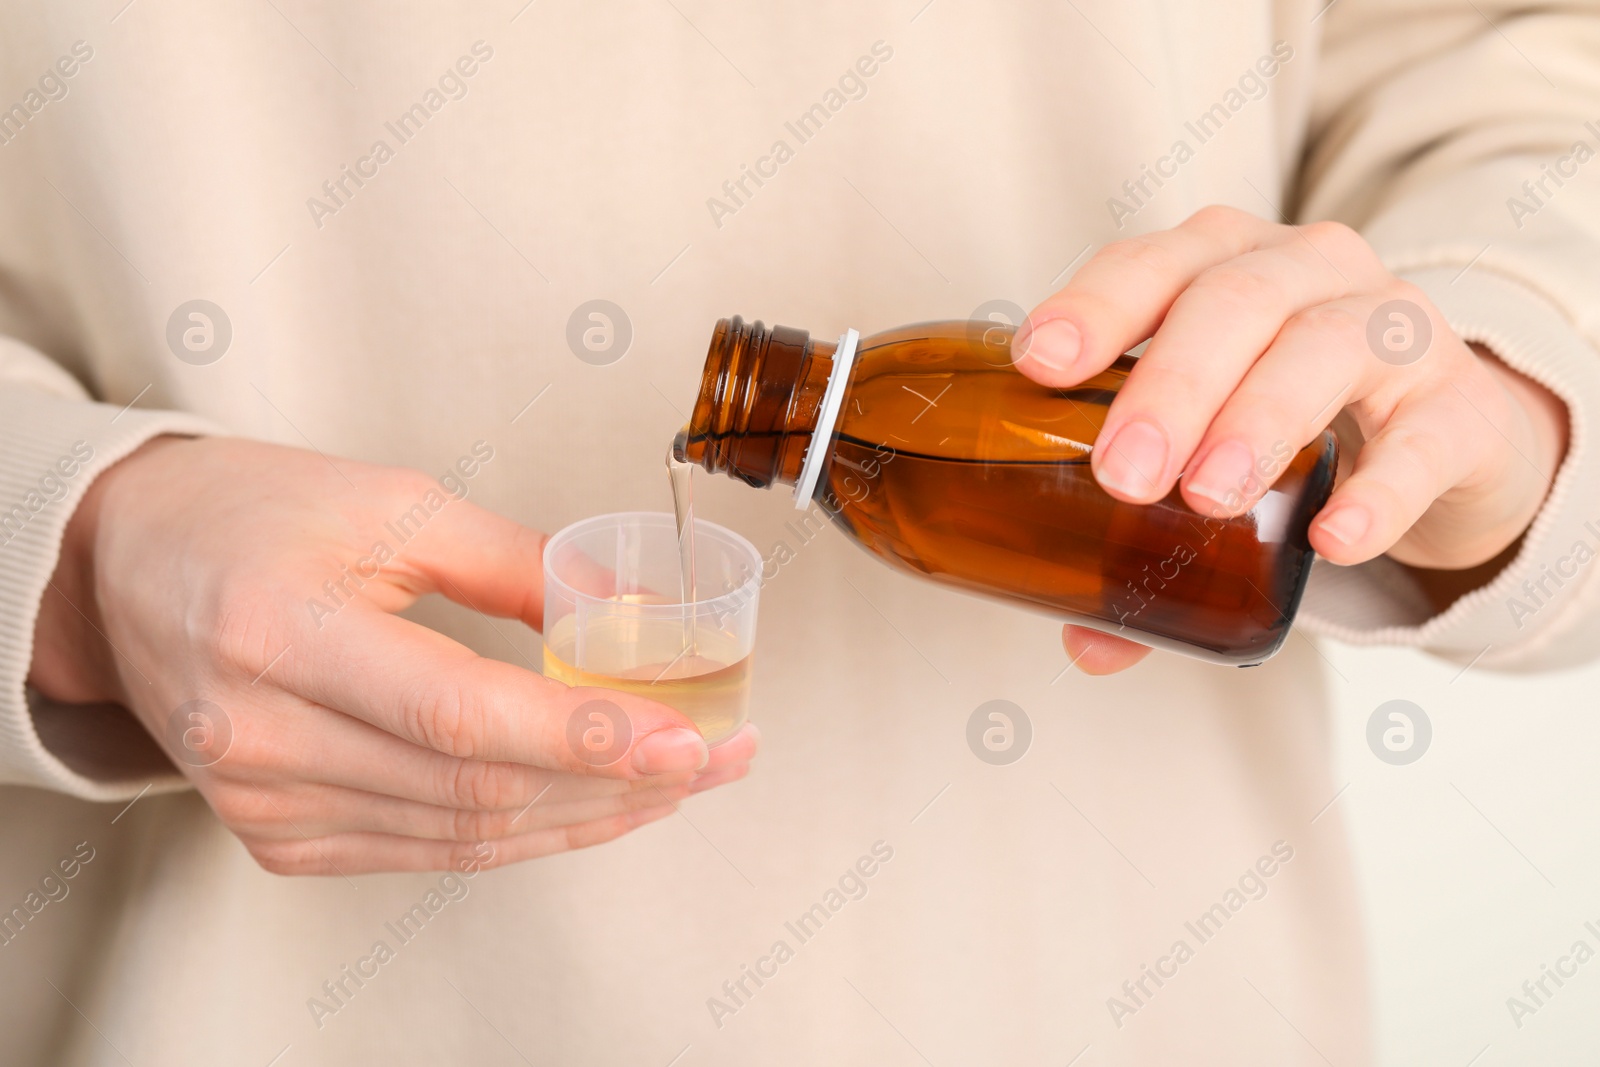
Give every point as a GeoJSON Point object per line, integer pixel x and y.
{"type": "Point", "coordinates": [745, 591]}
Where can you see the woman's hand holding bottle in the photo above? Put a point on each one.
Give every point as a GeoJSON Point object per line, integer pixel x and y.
{"type": "Point", "coordinates": [1259, 336]}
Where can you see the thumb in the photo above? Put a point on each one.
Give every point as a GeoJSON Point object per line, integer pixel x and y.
{"type": "Point", "coordinates": [480, 560]}
{"type": "Point", "coordinates": [1096, 653]}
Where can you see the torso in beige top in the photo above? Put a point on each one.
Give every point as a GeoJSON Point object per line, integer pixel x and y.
{"type": "Point", "coordinates": [961, 153]}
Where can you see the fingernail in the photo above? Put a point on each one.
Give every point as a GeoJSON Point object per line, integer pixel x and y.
{"type": "Point", "coordinates": [667, 751]}
{"type": "Point", "coordinates": [1133, 460]}
{"type": "Point", "coordinates": [1053, 345]}
{"type": "Point", "coordinates": [1223, 475]}
{"type": "Point", "coordinates": [752, 731]}
{"type": "Point", "coordinates": [1347, 525]}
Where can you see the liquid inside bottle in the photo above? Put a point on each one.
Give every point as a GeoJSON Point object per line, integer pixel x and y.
{"type": "Point", "coordinates": [946, 462]}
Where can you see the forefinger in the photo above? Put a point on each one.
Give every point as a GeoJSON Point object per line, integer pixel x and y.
{"type": "Point", "coordinates": [1120, 296]}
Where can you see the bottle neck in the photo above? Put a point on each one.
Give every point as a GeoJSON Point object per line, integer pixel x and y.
{"type": "Point", "coordinates": [760, 394]}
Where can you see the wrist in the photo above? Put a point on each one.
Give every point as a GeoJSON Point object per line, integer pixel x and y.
{"type": "Point", "coordinates": [1544, 448]}
{"type": "Point", "coordinates": [73, 660]}
{"type": "Point", "coordinates": [1548, 418]}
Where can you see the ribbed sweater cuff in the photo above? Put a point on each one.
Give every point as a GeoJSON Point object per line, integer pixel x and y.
{"type": "Point", "coordinates": [1520, 617]}
{"type": "Point", "coordinates": [51, 449]}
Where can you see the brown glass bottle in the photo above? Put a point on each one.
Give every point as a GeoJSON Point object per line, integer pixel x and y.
{"type": "Point", "coordinates": [947, 462]}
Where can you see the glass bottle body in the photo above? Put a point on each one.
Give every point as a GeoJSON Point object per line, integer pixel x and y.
{"type": "Point", "coordinates": [946, 462]}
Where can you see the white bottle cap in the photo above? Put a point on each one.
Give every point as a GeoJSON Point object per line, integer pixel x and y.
{"type": "Point", "coordinates": [844, 358]}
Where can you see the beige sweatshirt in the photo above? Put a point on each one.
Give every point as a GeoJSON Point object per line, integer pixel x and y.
{"type": "Point", "coordinates": [399, 208]}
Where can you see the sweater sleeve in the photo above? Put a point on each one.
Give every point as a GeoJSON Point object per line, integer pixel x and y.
{"type": "Point", "coordinates": [1463, 140]}
{"type": "Point", "coordinates": [54, 441]}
